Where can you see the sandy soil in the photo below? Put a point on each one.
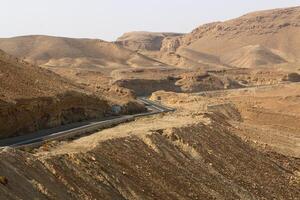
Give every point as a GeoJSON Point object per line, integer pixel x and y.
{"type": "Point", "coordinates": [269, 115]}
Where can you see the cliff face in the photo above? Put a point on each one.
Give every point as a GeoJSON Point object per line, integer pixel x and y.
{"type": "Point", "coordinates": [186, 82]}
{"type": "Point", "coordinates": [30, 115]}
{"type": "Point", "coordinates": [144, 40]}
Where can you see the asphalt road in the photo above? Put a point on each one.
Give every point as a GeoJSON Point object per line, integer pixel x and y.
{"type": "Point", "coordinates": [78, 129]}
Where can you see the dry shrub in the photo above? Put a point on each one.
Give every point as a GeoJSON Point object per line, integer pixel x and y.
{"type": "Point", "coordinates": [3, 180]}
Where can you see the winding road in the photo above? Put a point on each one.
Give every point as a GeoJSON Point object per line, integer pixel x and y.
{"type": "Point", "coordinates": [79, 129]}
{"type": "Point", "coordinates": [82, 128]}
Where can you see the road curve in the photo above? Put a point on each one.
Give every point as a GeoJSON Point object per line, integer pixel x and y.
{"type": "Point", "coordinates": [78, 129]}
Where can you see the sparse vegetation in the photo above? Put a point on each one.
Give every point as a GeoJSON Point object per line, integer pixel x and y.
{"type": "Point", "coordinates": [293, 77]}
{"type": "Point", "coordinates": [3, 180]}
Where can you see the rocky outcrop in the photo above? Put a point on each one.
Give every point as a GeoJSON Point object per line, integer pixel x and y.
{"type": "Point", "coordinates": [171, 44]}
{"type": "Point", "coordinates": [186, 82]}
{"type": "Point", "coordinates": [30, 115]}
{"type": "Point", "coordinates": [133, 107]}
{"type": "Point", "coordinates": [143, 87]}
{"type": "Point", "coordinates": [149, 41]}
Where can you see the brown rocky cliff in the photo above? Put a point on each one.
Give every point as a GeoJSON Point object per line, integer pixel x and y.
{"type": "Point", "coordinates": [30, 115]}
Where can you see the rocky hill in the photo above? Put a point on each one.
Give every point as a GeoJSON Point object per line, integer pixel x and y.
{"type": "Point", "coordinates": [275, 32]}
{"type": "Point", "coordinates": [32, 98]}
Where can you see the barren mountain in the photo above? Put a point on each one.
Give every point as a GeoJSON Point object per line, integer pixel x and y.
{"type": "Point", "coordinates": [76, 53]}
{"type": "Point", "coordinates": [32, 98]}
{"type": "Point", "coordinates": [233, 133]}
{"type": "Point", "coordinates": [275, 32]}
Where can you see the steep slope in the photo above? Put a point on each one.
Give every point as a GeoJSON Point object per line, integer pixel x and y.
{"type": "Point", "coordinates": [140, 40]}
{"type": "Point", "coordinates": [276, 29]}
{"type": "Point", "coordinates": [32, 98]}
{"type": "Point", "coordinates": [22, 80]}
{"type": "Point", "coordinates": [69, 52]}
{"type": "Point", "coordinates": [182, 157]}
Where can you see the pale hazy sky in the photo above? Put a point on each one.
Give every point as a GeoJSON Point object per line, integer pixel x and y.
{"type": "Point", "coordinates": [108, 19]}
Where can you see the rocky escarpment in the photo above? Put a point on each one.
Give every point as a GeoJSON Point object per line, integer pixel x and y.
{"type": "Point", "coordinates": [171, 44]}
{"type": "Point", "coordinates": [28, 115]}
{"type": "Point", "coordinates": [186, 82]}
{"type": "Point", "coordinates": [195, 162]}
{"type": "Point", "coordinates": [144, 40]}
{"type": "Point", "coordinates": [276, 31]}
{"type": "Point", "coordinates": [250, 77]}
{"type": "Point", "coordinates": [143, 87]}
{"type": "Point", "coordinates": [32, 98]}
{"type": "Point", "coordinates": [253, 24]}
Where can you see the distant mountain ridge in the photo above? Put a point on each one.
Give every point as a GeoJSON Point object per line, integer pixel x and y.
{"type": "Point", "coordinates": [70, 52]}
{"type": "Point", "coordinates": [275, 30]}
{"type": "Point", "coordinates": [209, 46]}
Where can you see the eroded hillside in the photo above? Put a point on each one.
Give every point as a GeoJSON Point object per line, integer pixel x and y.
{"type": "Point", "coordinates": [233, 43]}
{"type": "Point", "coordinates": [140, 40]}
{"type": "Point", "coordinates": [198, 152]}
{"type": "Point", "coordinates": [234, 133]}
{"type": "Point", "coordinates": [33, 98]}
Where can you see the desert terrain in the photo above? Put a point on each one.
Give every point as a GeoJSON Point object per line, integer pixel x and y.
{"type": "Point", "coordinates": [232, 133]}
{"type": "Point", "coordinates": [236, 144]}
{"type": "Point", "coordinates": [34, 98]}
